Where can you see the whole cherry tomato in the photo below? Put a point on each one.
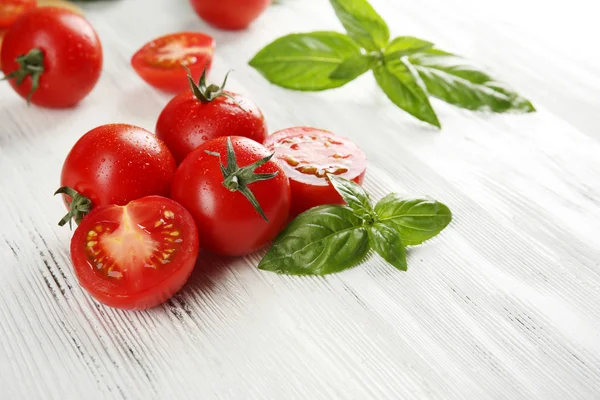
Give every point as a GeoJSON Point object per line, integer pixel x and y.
{"type": "Point", "coordinates": [161, 61]}
{"type": "Point", "coordinates": [52, 57]}
{"type": "Point", "coordinates": [135, 256]}
{"type": "Point", "coordinates": [10, 10]}
{"type": "Point", "coordinates": [230, 14]}
{"type": "Point", "coordinates": [307, 155]}
{"type": "Point", "coordinates": [114, 164]}
{"type": "Point", "coordinates": [238, 196]}
{"type": "Point", "coordinates": [196, 116]}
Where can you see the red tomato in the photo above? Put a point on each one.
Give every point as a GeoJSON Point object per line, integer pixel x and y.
{"type": "Point", "coordinates": [2, 33]}
{"type": "Point", "coordinates": [10, 10]}
{"type": "Point", "coordinates": [115, 164]}
{"type": "Point", "coordinates": [306, 155]}
{"type": "Point", "coordinates": [194, 117]}
{"type": "Point", "coordinates": [56, 46]}
{"type": "Point", "coordinates": [135, 256]}
{"type": "Point", "coordinates": [228, 223]}
{"type": "Point", "coordinates": [160, 61]}
{"type": "Point", "coordinates": [230, 14]}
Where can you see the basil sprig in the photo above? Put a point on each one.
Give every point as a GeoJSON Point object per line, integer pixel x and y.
{"type": "Point", "coordinates": [332, 238]}
{"type": "Point", "coordinates": [409, 70]}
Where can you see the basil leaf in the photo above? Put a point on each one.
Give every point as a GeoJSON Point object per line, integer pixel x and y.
{"type": "Point", "coordinates": [456, 81]}
{"type": "Point", "coordinates": [354, 195]}
{"type": "Point", "coordinates": [362, 23]}
{"type": "Point", "coordinates": [405, 45]}
{"type": "Point", "coordinates": [354, 67]}
{"type": "Point", "coordinates": [404, 88]}
{"type": "Point", "coordinates": [304, 61]}
{"type": "Point", "coordinates": [320, 241]}
{"type": "Point", "coordinates": [386, 241]}
{"type": "Point", "coordinates": [417, 220]}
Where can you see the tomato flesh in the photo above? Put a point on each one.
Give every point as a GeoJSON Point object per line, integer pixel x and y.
{"type": "Point", "coordinates": [135, 256]}
{"type": "Point", "coordinates": [10, 10]}
{"type": "Point", "coordinates": [307, 155]}
{"type": "Point", "coordinates": [159, 62]}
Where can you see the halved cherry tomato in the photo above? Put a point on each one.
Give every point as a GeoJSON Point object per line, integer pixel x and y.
{"type": "Point", "coordinates": [60, 4]}
{"type": "Point", "coordinates": [135, 256]}
{"type": "Point", "coordinates": [160, 61]}
{"type": "Point", "coordinates": [10, 10]}
{"type": "Point", "coordinates": [307, 155]}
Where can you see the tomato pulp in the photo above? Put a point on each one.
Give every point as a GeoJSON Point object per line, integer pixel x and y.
{"type": "Point", "coordinates": [135, 256]}
{"type": "Point", "coordinates": [52, 57]}
{"type": "Point", "coordinates": [307, 155]}
{"type": "Point", "coordinates": [159, 62]}
{"type": "Point", "coordinates": [227, 221]}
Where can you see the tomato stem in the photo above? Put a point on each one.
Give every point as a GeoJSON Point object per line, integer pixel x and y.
{"type": "Point", "coordinates": [205, 93]}
{"type": "Point", "coordinates": [80, 206]}
{"type": "Point", "coordinates": [30, 64]}
{"type": "Point", "coordinates": [238, 179]}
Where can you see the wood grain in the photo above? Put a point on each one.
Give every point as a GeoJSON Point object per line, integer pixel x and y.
{"type": "Point", "coordinates": [505, 304]}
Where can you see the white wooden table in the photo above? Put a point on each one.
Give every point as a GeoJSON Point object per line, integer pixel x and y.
{"type": "Point", "coordinates": [505, 304]}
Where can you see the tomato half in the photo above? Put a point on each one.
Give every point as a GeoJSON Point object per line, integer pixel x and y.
{"type": "Point", "coordinates": [61, 4]}
{"type": "Point", "coordinates": [10, 10]}
{"type": "Point", "coordinates": [117, 163]}
{"type": "Point", "coordinates": [227, 221]}
{"type": "Point", "coordinates": [160, 61]}
{"type": "Point", "coordinates": [307, 155]}
{"type": "Point", "coordinates": [52, 55]}
{"type": "Point", "coordinates": [135, 256]}
{"type": "Point", "coordinates": [230, 14]}
{"type": "Point", "coordinates": [188, 121]}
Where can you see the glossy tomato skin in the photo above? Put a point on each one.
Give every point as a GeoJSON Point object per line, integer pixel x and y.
{"type": "Point", "coordinates": [72, 55]}
{"type": "Point", "coordinates": [137, 256]}
{"type": "Point", "coordinates": [10, 10]}
{"type": "Point", "coordinates": [186, 123]}
{"type": "Point", "coordinates": [306, 154]}
{"type": "Point", "coordinates": [118, 163]}
{"type": "Point", "coordinates": [227, 223]}
{"type": "Point", "coordinates": [230, 14]}
{"type": "Point", "coordinates": [159, 61]}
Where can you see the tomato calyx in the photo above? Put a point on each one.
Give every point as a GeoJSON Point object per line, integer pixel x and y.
{"type": "Point", "coordinates": [238, 179]}
{"type": "Point", "coordinates": [205, 93]}
{"type": "Point", "coordinates": [32, 64]}
{"type": "Point", "coordinates": [80, 206]}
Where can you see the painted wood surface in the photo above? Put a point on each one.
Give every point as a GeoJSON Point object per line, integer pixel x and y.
{"type": "Point", "coordinates": [505, 304]}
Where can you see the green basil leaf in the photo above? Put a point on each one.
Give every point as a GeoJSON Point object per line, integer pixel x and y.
{"type": "Point", "coordinates": [405, 45]}
{"type": "Point", "coordinates": [404, 88]}
{"type": "Point", "coordinates": [304, 61]}
{"type": "Point", "coordinates": [417, 220]}
{"type": "Point", "coordinates": [354, 195]}
{"type": "Point", "coordinates": [362, 23]}
{"type": "Point", "coordinates": [320, 241]}
{"type": "Point", "coordinates": [386, 241]}
{"type": "Point", "coordinates": [354, 67]}
{"type": "Point", "coordinates": [456, 81]}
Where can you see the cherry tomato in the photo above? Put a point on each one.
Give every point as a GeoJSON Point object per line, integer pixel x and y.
{"type": "Point", "coordinates": [2, 33]}
{"type": "Point", "coordinates": [306, 155]}
{"type": "Point", "coordinates": [194, 117]}
{"type": "Point", "coordinates": [52, 57]}
{"type": "Point", "coordinates": [135, 256]}
{"type": "Point", "coordinates": [60, 3]}
{"type": "Point", "coordinates": [230, 14]}
{"type": "Point", "coordinates": [10, 10]}
{"type": "Point", "coordinates": [160, 61]}
{"type": "Point", "coordinates": [115, 164]}
{"type": "Point", "coordinates": [221, 201]}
